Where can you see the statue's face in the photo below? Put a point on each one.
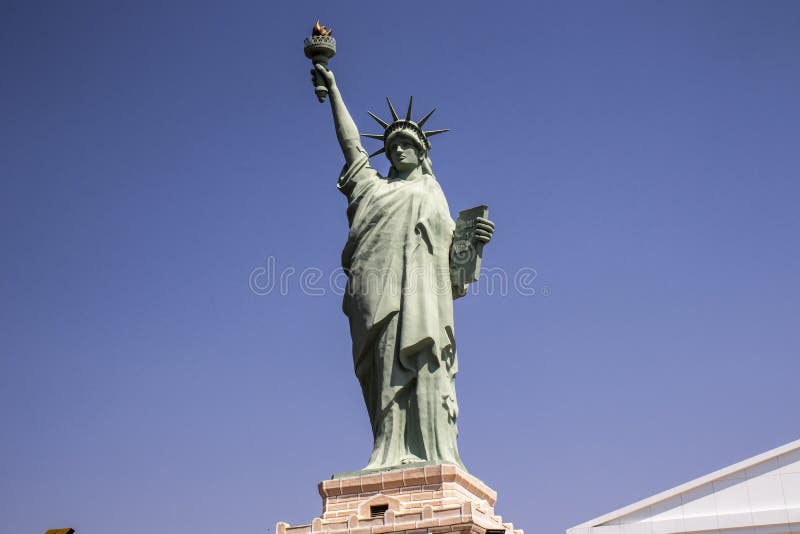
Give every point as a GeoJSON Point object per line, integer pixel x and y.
{"type": "Point", "coordinates": [404, 154]}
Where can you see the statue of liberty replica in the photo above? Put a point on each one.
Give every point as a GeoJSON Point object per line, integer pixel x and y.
{"type": "Point", "coordinates": [406, 260]}
{"type": "Point", "coordinates": [400, 292]}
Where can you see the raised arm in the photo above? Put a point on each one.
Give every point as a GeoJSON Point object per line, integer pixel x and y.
{"type": "Point", "coordinates": [346, 130]}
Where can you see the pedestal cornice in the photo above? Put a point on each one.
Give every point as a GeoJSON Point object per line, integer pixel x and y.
{"type": "Point", "coordinates": [434, 499]}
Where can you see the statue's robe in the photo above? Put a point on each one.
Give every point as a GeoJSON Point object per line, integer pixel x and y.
{"type": "Point", "coordinates": [400, 306]}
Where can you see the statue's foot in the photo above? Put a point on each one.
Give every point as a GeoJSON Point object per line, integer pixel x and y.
{"type": "Point", "coordinates": [405, 460]}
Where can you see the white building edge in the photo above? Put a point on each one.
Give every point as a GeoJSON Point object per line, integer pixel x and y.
{"type": "Point", "coordinates": [760, 495]}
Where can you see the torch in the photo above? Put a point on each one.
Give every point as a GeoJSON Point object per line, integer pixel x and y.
{"type": "Point", "coordinates": [319, 47]}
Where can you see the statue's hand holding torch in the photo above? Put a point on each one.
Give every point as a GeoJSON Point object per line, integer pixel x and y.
{"type": "Point", "coordinates": [319, 48]}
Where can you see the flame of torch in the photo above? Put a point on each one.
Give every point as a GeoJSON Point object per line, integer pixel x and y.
{"type": "Point", "coordinates": [319, 29]}
{"type": "Point", "coordinates": [319, 48]}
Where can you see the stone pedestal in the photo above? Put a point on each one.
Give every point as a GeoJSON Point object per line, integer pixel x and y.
{"type": "Point", "coordinates": [436, 500]}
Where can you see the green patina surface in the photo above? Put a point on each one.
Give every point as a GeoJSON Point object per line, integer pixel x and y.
{"type": "Point", "coordinates": [399, 299]}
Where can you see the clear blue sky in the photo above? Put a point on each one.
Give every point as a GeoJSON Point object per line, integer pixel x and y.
{"type": "Point", "coordinates": [642, 157]}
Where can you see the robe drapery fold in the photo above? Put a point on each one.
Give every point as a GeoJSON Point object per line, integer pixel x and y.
{"type": "Point", "coordinates": [400, 307]}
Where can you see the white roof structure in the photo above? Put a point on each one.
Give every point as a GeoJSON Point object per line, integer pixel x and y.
{"type": "Point", "coordinates": [760, 495]}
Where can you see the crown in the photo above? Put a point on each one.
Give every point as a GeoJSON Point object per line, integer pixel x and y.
{"type": "Point", "coordinates": [404, 126]}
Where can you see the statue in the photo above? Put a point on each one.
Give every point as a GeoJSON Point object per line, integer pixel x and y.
{"type": "Point", "coordinates": [399, 298]}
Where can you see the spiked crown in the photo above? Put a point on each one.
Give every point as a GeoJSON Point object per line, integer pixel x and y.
{"type": "Point", "coordinates": [405, 127]}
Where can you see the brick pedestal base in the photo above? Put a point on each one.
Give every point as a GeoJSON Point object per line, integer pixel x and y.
{"type": "Point", "coordinates": [434, 500]}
